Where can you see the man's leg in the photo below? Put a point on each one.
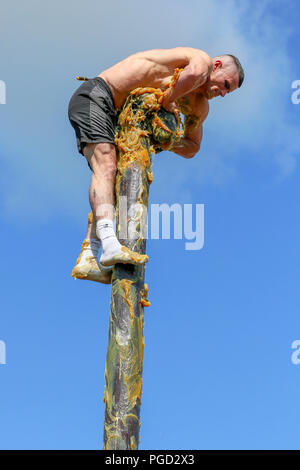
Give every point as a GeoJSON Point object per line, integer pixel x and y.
{"type": "Point", "coordinates": [102, 160]}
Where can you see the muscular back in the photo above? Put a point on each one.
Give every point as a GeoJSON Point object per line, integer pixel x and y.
{"type": "Point", "coordinates": [148, 68]}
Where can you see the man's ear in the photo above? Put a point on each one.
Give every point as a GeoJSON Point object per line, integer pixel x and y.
{"type": "Point", "coordinates": [218, 64]}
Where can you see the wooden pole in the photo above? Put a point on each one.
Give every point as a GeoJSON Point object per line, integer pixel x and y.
{"type": "Point", "coordinates": [141, 119]}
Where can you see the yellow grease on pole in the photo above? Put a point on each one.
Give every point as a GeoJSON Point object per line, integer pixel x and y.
{"type": "Point", "coordinates": [124, 362]}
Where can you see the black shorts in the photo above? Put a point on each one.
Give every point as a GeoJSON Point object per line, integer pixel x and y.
{"type": "Point", "coordinates": [92, 113]}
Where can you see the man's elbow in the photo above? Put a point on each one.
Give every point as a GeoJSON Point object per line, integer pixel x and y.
{"type": "Point", "coordinates": [193, 152]}
{"type": "Point", "coordinates": [194, 149]}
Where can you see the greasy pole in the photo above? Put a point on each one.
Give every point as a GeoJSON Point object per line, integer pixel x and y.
{"type": "Point", "coordinates": [139, 121]}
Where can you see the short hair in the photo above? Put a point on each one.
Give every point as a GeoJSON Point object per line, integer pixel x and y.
{"type": "Point", "coordinates": [239, 68]}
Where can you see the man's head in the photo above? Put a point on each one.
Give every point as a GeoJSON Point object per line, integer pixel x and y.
{"type": "Point", "coordinates": [226, 76]}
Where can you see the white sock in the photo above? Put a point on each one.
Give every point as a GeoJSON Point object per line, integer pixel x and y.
{"type": "Point", "coordinates": [105, 231]}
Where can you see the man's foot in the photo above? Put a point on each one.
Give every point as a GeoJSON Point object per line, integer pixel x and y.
{"type": "Point", "coordinates": [122, 255]}
{"type": "Point", "coordinates": [88, 268]}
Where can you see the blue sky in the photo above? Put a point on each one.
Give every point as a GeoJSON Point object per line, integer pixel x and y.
{"type": "Point", "coordinates": [217, 367]}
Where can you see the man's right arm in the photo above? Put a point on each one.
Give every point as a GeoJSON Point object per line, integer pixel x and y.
{"type": "Point", "coordinates": [193, 76]}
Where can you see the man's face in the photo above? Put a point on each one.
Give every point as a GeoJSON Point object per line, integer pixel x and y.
{"type": "Point", "coordinates": [223, 79]}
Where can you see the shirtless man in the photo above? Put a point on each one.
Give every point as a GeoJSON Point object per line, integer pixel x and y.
{"type": "Point", "coordinates": [93, 114]}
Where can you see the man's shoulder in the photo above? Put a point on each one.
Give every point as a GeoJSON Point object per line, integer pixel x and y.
{"type": "Point", "coordinates": [192, 52]}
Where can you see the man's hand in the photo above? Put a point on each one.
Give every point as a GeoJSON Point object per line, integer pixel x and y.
{"type": "Point", "coordinates": [185, 147]}
{"type": "Point", "coordinates": [171, 107]}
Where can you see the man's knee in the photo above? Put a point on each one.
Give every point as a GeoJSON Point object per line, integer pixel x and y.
{"type": "Point", "coordinates": [102, 158]}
